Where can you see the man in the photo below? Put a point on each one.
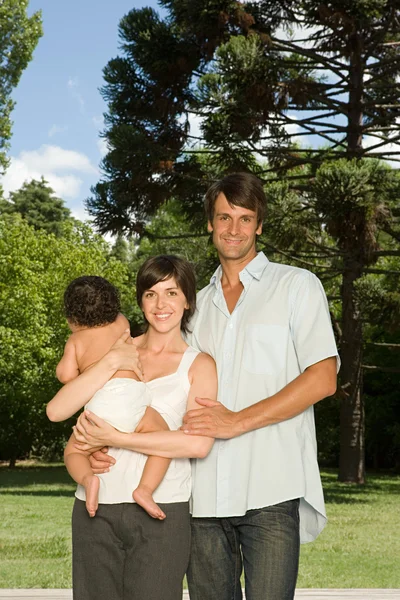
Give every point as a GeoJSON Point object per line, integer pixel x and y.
{"type": "Point", "coordinates": [267, 325]}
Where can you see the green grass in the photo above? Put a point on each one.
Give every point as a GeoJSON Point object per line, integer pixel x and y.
{"type": "Point", "coordinates": [360, 547]}
{"type": "Point", "coordinates": [35, 514]}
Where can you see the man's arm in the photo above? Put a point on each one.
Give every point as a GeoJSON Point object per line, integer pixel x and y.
{"type": "Point", "coordinates": [317, 382]}
{"type": "Point", "coordinates": [314, 343]}
{"type": "Point", "coordinates": [91, 431]}
{"type": "Point", "coordinates": [67, 369]}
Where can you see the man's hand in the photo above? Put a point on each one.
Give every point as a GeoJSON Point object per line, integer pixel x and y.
{"type": "Point", "coordinates": [214, 420]}
{"type": "Point", "coordinates": [91, 432]}
{"type": "Point", "coordinates": [100, 461]}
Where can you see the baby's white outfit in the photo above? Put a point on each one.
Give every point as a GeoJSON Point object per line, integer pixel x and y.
{"type": "Point", "coordinates": [169, 396]}
{"type": "Point", "coordinates": [121, 402]}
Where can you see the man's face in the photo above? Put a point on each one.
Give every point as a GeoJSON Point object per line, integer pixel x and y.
{"type": "Point", "coordinates": [234, 230]}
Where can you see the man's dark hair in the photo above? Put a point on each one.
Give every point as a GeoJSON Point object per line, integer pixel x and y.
{"type": "Point", "coordinates": [162, 267]}
{"type": "Point", "coordinates": [240, 189]}
{"type": "Point", "coordinates": [91, 301]}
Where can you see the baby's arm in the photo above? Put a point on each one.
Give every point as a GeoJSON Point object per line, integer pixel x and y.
{"type": "Point", "coordinates": [67, 369]}
{"type": "Point", "coordinates": [75, 394]}
{"type": "Point", "coordinates": [59, 408]}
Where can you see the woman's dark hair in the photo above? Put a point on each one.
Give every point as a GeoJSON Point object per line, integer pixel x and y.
{"type": "Point", "coordinates": [240, 189]}
{"type": "Point", "coordinates": [162, 267]}
{"type": "Point", "coordinates": [91, 301]}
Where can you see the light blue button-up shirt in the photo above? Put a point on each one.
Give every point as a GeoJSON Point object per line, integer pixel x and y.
{"type": "Point", "coordinates": [279, 327]}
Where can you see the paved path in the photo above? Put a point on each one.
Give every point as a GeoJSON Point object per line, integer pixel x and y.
{"type": "Point", "coordinates": [305, 594]}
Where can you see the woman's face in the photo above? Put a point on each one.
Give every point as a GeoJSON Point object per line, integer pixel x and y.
{"type": "Point", "coordinates": [163, 305]}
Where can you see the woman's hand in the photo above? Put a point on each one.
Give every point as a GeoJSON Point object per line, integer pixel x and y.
{"type": "Point", "coordinates": [91, 432]}
{"type": "Point", "coordinates": [124, 355]}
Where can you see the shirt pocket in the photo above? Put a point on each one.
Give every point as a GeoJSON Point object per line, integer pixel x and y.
{"type": "Point", "coordinates": [264, 351]}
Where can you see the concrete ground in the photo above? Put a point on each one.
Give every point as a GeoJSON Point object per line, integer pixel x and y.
{"type": "Point", "coordinates": [305, 594]}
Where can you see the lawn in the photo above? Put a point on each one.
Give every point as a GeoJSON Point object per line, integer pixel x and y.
{"type": "Point", "coordinates": [360, 547]}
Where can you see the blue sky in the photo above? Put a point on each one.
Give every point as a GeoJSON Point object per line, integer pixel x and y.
{"type": "Point", "coordinates": [59, 110]}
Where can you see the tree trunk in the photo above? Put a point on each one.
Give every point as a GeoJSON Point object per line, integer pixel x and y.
{"type": "Point", "coordinates": [355, 104]}
{"type": "Point", "coordinates": [352, 418]}
{"type": "Point", "coordinates": [12, 463]}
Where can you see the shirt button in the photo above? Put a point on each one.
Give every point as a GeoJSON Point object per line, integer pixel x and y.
{"type": "Point", "coordinates": [230, 325]}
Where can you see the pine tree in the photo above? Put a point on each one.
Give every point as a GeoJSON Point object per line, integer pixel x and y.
{"type": "Point", "coordinates": [261, 77]}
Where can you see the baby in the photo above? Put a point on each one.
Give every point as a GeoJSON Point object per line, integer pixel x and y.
{"type": "Point", "coordinates": [91, 306]}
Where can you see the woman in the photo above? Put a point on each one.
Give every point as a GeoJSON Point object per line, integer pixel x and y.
{"type": "Point", "coordinates": [122, 552]}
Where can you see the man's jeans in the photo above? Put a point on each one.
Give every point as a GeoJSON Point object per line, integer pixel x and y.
{"type": "Point", "coordinates": [264, 541]}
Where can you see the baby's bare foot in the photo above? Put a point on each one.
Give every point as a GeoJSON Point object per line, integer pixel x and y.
{"type": "Point", "coordinates": [144, 498]}
{"type": "Point", "coordinates": [91, 484]}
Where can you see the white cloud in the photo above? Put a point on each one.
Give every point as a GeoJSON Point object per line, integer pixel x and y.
{"type": "Point", "coordinates": [54, 158]}
{"type": "Point", "coordinates": [390, 147]}
{"type": "Point", "coordinates": [80, 213]}
{"type": "Point", "coordinates": [98, 122]}
{"type": "Point", "coordinates": [195, 126]}
{"type": "Point", "coordinates": [73, 86]}
{"type": "Point", "coordinates": [55, 129]}
{"type": "Point", "coordinates": [60, 167]}
{"type": "Point", "coordinates": [293, 128]}
{"type": "Point", "coordinates": [102, 146]}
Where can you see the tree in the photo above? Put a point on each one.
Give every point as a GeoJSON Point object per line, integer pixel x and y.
{"type": "Point", "coordinates": [35, 268]}
{"type": "Point", "coordinates": [19, 35]}
{"type": "Point", "coordinates": [355, 199]}
{"type": "Point", "coordinates": [169, 232]}
{"type": "Point", "coordinates": [225, 63]}
{"type": "Point", "coordinates": [261, 77]}
{"type": "Point", "coordinates": [120, 249]}
{"type": "Point", "coordinates": [36, 202]}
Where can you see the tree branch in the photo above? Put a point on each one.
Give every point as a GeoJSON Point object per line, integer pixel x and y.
{"type": "Point", "coordinates": [383, 369]}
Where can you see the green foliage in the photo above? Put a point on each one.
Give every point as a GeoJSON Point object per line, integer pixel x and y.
{"type": "Point", "coordinates": [347, 186]}
{"type": "Point", "coordinates": [35, 268]}
{"type": "Point", "coordinates": [36, 202]}
{"type": "Point", "coordinates": [169, 232]}
{"type": "Point", "coordinates": [19, 35]}
{"type": "Point", "coordinates": [360, 193]}
{"type": "Point", "coordinates": [120, 249]}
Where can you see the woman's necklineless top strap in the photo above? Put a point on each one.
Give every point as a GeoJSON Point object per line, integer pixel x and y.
{"type": "Point", "coordinates": [187, 359]}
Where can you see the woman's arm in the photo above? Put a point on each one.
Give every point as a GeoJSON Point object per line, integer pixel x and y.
{"type": "Point", "coordinates": [91, 431]}
{"type": "Point", "coordinates": [75, 394]}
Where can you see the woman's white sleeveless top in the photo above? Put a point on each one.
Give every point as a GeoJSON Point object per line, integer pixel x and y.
{"type": "Point", "coordinates": [169, 397]}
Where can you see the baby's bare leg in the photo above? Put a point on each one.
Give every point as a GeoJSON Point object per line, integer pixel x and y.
{"type": "Point", "coordinates": [154, 469]}
{"type": "Point", "coordinates": [78, 466]}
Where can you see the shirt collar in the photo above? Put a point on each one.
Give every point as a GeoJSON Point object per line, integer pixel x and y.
{"type": "Point", "coordinates": [255, 269]}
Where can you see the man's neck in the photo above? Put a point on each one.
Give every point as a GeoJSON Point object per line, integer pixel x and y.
{"type": "Point", "coordinates": [232, 268]}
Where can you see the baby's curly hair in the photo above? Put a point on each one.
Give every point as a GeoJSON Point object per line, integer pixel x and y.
{"type": "Point", "coordinates": [91, 301]}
